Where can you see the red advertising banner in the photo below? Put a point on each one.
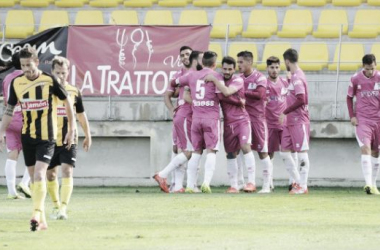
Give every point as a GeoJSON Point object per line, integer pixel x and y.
{"type": "Point", "coordinates": [129, 60]}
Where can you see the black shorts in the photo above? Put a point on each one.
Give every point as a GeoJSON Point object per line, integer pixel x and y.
{"type": "Point", "coordinates": [36, 150]}
{"type": "Point", "coordinates": [62, 155]}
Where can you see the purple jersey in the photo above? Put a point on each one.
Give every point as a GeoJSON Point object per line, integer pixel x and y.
{"type": "Point", "coordinates": [297, 85]}
{"type": "Point", "coordinates": [232, 113]}
{"type": "Point", "coordinates": [366, 90]}
{"type": "Point", "coordinates": [276, 96]}
{"type": "Point", "coordinates": [17, 115]}
{"type": "Point", "coordinates": [203, 94]}
{"type": "Point", "coordinates": [183, 108]}
{"type": "Point", "coordinates": [255, 108]}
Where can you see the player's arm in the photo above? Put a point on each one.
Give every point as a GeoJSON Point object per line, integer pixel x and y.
{"type": "Point", "coordinates": [8, 114]}
{"type": "Point", "coordinates": [83, 121]}
{"type": "Point", "coordinates": [350, 103]}
{"type": "Point", "coordinates": [168, 101]}
{"type": "Point", "coordinates": [298, 103]}
{"type": "Point", "coordinates": [226, 91]}
{"type": "Point", "coordinates": [187, 95]}
{"type": "Point", "coordinates": [257, 94]}
{"type": "Point", "coordinates": [233, 100]}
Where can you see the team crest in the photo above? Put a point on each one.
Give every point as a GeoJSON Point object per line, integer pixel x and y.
{"type": "Point", "coordinates": [252, 85]}
{"type": "Point", "coordinates": [377, 86]}
{"type": "Point", "coordinates": [284, 91]}
{"type": "Point", "coordinates": [359, 86]}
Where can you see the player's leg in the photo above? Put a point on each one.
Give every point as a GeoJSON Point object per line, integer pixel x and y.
{"type": "Point", "coordinates": [301, 137]}
{"type": "Point", "coordinates": [197, 142]}
{"type": "Point", "coordinates": [23, 186]}
{"type": "Point", "coordinates": [375, 160]}
{"type": "Point", "coordinates": [66, 189]}
{"type": "Point", "coordinates": [10, 174]}
{"type": "Point", "coordinates": [261, 131]}
{"type": "Point", "coordinates": [231, 146]}
{"type": "Point", "coordinates": [241, 165]}
{"type": "Point", "coordinates": [249, 161]}
{"type": "Point", "coordinates": [232, 171]}
{"type": "Point", "coordinates": [53, 186]}
{"type": "Point", "coordinates": [172, 179]}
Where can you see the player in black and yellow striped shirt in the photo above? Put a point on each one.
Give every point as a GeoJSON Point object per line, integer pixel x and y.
{"type": "Point", "coordinates": [62, 156]}
{"type": "Point", "coordinates": [38, 94]}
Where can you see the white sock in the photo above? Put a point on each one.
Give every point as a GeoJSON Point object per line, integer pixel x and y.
{"type": "Point", "coordinates": [209, 168]}
{"type": "Point", "coordinates": [304, 163]}
{"type": "Point", "coordinates": [249, 160]}
{"type": "Point", "coordinates": [172, 173]}
{"type": "Point", "coordinates": [25, 178]}
{"type": "Point", "coordinates": [291, 166]}
{"type": "Point", "coordinates": [10, 175]}
{"type": "Point", "coordinates": [271, 174]}
{"type": "Point", "coordinates": [179, 176]}
{"type": "Point", "coordinates": [192, 169]}
{"type": "Point", "coordinates": [375, 170]}
{"type": "Point", "coordinates": [295, 159]}
{"type": "Point", "coordinates": [174, 163]}
{"type": "Point", "coordinates": [232, 171]}
{"type": "Point", "coordinates": [240, 165]}
{"type": "Point", "coordinates": [367, 169]}
{"type": "Point", "coordinates": [266, 172]}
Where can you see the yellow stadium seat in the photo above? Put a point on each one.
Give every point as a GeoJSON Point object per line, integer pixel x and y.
{"type": "Point", "coordinates": [104, 3]}
{"type": "Point", "coordinates": [207, 3]}
{"type": "Point", "coordinates": [53, 18]}
{"type": "Point", "coordinates": [366, 24]}
{"type": "Point", "coordinates": [158, 17]}
{"type": "Point", "coordinates": [69, 3]}
{"type": "Point", "coordinates": [35, 3]}
{"type": "Point", "coordinates": [172, 3]}
{"type": "Point", "coordinates": [351, 55]}
{"type": "Point", "coordinates": [235, 48]}
{"type": "Point", "coordinates": [313, 56]}
{"type": "Point", "coordinates": [279, 3]}
{"type": "Point", "coordinates": [312, 3]}
{"type": "Point", "coordinates": [222, 18]}
{"type": "Point", "coordinates": [89, 17]}
{"type": "Point", "coordinates": [123, 17]}
{"type": "Point", "coordinates": [376, 51]}
{"type": "Point", "coordinates": [19, 24]}
{"type": "Point", "coordinates": [193, 17]}
{"type": "Point", "coordinates": [217, 48]}
{"type": "Point", "coordinates": [138, 3]}
{"type": "Point", "coordinates": [346, 2]}
{"type": "Point", "coordinates": [373, 2]}
{"type": "Point", "coordinates": [241, 3]}
{"type": "Point", "coordinates": [273, 49]}
{"type": "Point", "coordinates": [7, 3]}
{"type": "Point", "coordinates": [297, 23]}
{"type": "Point", "coordinates": [261, 24]}
{"type": "Point", "coordinates": [330, 24]}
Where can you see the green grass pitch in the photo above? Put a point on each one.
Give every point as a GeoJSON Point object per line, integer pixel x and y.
{"type": "Point", "coordinates": [122, 218]}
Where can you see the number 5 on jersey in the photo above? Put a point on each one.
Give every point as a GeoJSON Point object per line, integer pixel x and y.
{"type": "Point", "coordinates": [200, 90]}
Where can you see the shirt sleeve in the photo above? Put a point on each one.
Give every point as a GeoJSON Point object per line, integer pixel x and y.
{"type": "Point", "coordinates": [352, 88]}
{"type": "Point", "coordinates": [12, 98]}
{"type": "Point", "coordinates": [183, 80]}
{"type": "Point", "coordinates": [261, 81]}
{"type": "Point", "coordinates": [237, 84]}
{"type": "Point", "coordinates": [299, 87]}
{"type": "Point", "coordinates": [79, 108]}
{"type": "Point", "coordinates": [59, 90]}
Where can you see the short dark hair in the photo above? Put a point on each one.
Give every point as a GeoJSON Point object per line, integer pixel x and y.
{"type": "Point", "coordinates": [16, 60]}
{"type": "Point", "coordinates": [28, 52]}
{"type": "Point", "coordinates": [194, 55]}
{"type": "Point", "coordinates": [291, 55]}
{"type": "Point", "coordinates": [369, 59]}
{"type": "Point", "coordinates": [59, 60]}
{"type": "Point", "coordinates": [209, 58]}
{"type": "Point", "coordinates": [185, 48]}
{"type": "Point", "coordinates": [247, 55]}
{"type": "Point", "coordinates": [273, 59]}
{"type": "Point", "coordinates": [229, 60]}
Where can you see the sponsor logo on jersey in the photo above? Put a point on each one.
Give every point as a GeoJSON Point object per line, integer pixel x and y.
{"type": "Point", "coordinates": [203, 103]}
{"type": "Point", "coordinates": [34, 105]}
{"type": "Point", "coordinates": [61, 111]}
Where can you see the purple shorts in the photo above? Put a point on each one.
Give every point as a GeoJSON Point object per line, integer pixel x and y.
{"type": "Point", "coordinates": [367, 134]}
{"type": "Point", "coordinates": [296, 137]}
{"type": "Point", "coordinates": [259, 136]}
{"type": "Point", "coordinates": [274, 139]}
{"type": "Point", "coordinates": [13, 136]}
{"type": "Point", "coordinates": [236, 135]}
{"type": "Point", "coordinates": [182, 129]}
{"type": "Point", "coordinates": [205, 134]}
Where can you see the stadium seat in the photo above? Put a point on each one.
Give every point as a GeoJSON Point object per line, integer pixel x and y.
{"type": "Point", "coordinates": [158, 17]}
{"type": "Point", "coordinates": [351, 55]}
{"type": "Point", "coordinates": [329, 25]}
{"type": "Point", "coordinates": [273, 49]}
{"type": "Point", "coordinates": [235, 48]}
{"type": "Point", "coordinates": [376, 51]}
{"type": "Point", "coordinates": [217, 48]}
{"type": "Point", "coordinates": [172, 3]}
{"type": "Point", "coordinates": [261, 24]}
{"type": "Point", "coordinates": [19, 24]}
{"type": "Point", "coordinates": [104, 3]}
{"type": "Point", "coordinates": [313, 56]}
{"type": "Point", "coordinates": [312, 3]}
{"type": "Point", "coordinates": [222, 18]}
{"type": "Point", "coordinates": [373, 2]}
{"type": "Point", "coordinates": [89, 17]}
{"type": "Point", "coordinates": [35, 3]}
{"type": "Point", "coordinates": [241, 3]}
{"type": "Point", "coordinates": [207, 3]}
{"type": "Point", "coordinates": [7, 3]}
{"type": "Point", "coordinates": [69, 3]}
{"type": "Point", "coordinates": [128, 17]}
{"type": "Point", "coordinates": [297, 23]}
{"type": "Point", "coordinates": [279, 3]}
{"type": "Point", "coordinates": [53, 18]}
{"type": "Point", "coordinates": [138, 3]}
{"type": "Point", "coordinates": [193, 17]}
{"type": "Point", "coordinates": [349, 3]}
{"type": "Point", "coordinates": [366, 24]}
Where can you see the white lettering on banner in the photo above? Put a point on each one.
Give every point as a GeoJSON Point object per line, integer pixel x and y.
{"type": "Point", "coordinates": [176, 63]}
{"type": "Point", "coordinates": [87, 82]}
{"type": "Point", "coordinates": [121, 41]}
{"type": "Point", "coordinates": [154, 81]}
{"type": "Point", "coordinates": [137, 37]}
{"type": "Point", "coordinates": [34, 105]}
{"type": "Point", "coordinates": [42, 49]}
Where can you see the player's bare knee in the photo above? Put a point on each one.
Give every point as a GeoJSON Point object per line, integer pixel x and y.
{"type": "Point", "coordinates": [271, 155]}
{"type": "Point", "coordinates": [13, 155]}
{"type": "Point", "coordinates": [51, 175]}
{"type": "Point", "coordinates": [175, 149]}
{"type": "Point", "coordinates": [67, 171]}
{"type": "Point", "coordinates": [365, 150]}
{"type": "Point", "coordinates": [187, 154]}
{"type": "Point", "coordinates": [262, 155]}
{"type": "Point", "coordinates": [231, 155]}
{"type": "Point", "coordinates": [246, 149]}
{"type": "Point", "coordinates": [375, 154]}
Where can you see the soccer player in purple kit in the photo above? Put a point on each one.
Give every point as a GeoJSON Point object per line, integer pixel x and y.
{"type": "Point", "coordinates": [255, 85]}
{"type": "Point", "coordinates": [296, 133]}
{"type": "Point", "coordinates": [365, 87]}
